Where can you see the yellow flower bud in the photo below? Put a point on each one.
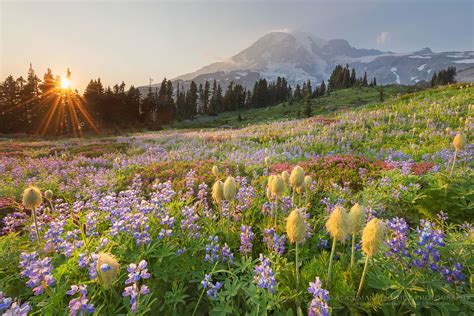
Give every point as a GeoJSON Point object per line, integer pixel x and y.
{"type": "Point", "coordinates": [337, 224]}
{"type": "Point", "coordinates": [218, 191]}
{"type": "Point", "coordinates": [295, 226]}
{"type": "Point", "coordinates": [373, 237]}
{"type": "Point", "coordinates": [459, 141]}
{"type": "Point", "coordinates": [356, 218]}
{"type": "Point", "coordinates": [230, 188]}
{"type": "Point", "coordinates": [297, 177]}
{"type": "Point", "coordinates": [48, 194]}
{"type": "Point", "coordinates": [32, 198]}
{"type": "Point", "coordinates": [278, 185]}
{"type": "Point", "coordinates": [215, 171]}
{"type": "Point", "coordinates": [108, 276]}
{"type": "Point", "coordinates": [286, 177]}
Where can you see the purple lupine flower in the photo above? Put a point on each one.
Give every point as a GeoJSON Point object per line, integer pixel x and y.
{"type": "Point", "coordinates": [318, 306]}
{"type": "Point", "coordinates": [189, 184]}
{"type": "Point", "coordinates": [37, 270]}
{"type": "Point", "coordinates": [81, 303]}
{"type": "Point", "coordinates": [273, 241]}
{"type": "Point", "coordinates": [323, 243]}
{"type": "Point", "coordinates": [244, 196]}
{"type": "Point", "coordinates": [227, 255]}
{"type": "Point", "coordinates": [189, 223]}
{"type": "Point", "coordinates": [89, 261]}
{"type": "Point", "coordinates": [212, 289]}
{"type": "Point", "coordinates": [167, 230]}
{"type": "Point", "coordinates": [246, 237]}
{"type": "Point", "coordinates": [430, 239]}
{"type": "Point", "coordinates": [453, 275]}
{"type": "Point", "coordinates": [5, 302]}
{"type": "Point", "coordinates": [180, 251]}
{"type": "Point", "coordinates": [135, 274]}
{"type": "Point", "coordinates": [264, 276]}
{"type": "Point", "coordinates": [18, 310]}
{"type": "Point", "coordinates": [397, 244]}
{"type": "Point", "coordinates": [212, 250]}
{"type": "Point", "coordinates": [202, 195]}
{"type": "Point", "coordinates": [442, 216]}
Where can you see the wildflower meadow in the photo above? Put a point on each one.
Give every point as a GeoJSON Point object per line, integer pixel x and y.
{"type": "Point", "coordinates": [368, 211]}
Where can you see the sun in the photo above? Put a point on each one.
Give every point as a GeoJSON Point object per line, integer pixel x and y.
{"type": "Point", "coordinates": [65, 83]}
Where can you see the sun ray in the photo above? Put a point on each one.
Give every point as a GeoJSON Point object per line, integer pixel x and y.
{"type": "Point", "coordinates": [65, 110]}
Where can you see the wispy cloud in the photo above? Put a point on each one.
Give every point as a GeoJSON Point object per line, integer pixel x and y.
{"type": "Point", "coordinates": [382, 37]}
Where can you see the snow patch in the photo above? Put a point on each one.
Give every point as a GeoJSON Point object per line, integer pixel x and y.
{"type": "Point", "coordinates": [421, 67]}
{"type": "Point", "coordinates": [413, 78]}
{"type": "Point", "coordinates": [465, 61]}
{"type": "Point", "coordinates": [458, 55]}
{"type": "Point", "coordinates": [419, 56]}
{"type": "Point", "coordinates": [237, 77]}
{"type": "Point", "coordinates": [394, 71]}
{"type": "Point", "coordinates": [429, 70]}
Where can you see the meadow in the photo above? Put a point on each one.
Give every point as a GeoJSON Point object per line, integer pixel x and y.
{"type": "Point", "coordinates": [365, 211]}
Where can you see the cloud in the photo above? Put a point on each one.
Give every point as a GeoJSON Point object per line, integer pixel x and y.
{"type": "Point", "coordinates": [382, 37]}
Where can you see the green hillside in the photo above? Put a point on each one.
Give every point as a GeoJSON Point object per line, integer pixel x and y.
{"type": "Point", "coordinates": [337, 100]}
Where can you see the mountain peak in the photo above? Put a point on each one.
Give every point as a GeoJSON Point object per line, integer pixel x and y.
{"type": "Point", "coordinates": [300, 56]}
{"type": "Point", "coordinates": [425, 50]}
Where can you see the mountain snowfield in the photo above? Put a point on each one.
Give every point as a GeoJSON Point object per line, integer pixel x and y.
{"type": "Point", "coordinates": [300, 56]}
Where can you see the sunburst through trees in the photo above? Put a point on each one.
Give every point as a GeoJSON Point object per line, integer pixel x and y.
{"type": "Point", "coordinates": [47, 107]}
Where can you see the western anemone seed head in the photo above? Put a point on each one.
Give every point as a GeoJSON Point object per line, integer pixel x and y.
{"type": "Point", "coordinates": [286, 177]}
{"type": "Point", "coordinates": [48, 194]}
{"type": "Point", "coordinates": [297, 177]}
{"type": "Point", "coordinates": [230, 188]}
{"type": "Point", "coordinates": [118, 160]}
{"type": "Point", "coordinates": [278, 185]}
{"type": "Point", "coordinates": [266, 161]}
{"type": "Point", "coordinates": [32, 198]}
{"type": "Point", "coordinates": [215, 171]}
{"type": "Point", "coordinates": [270, 181]}
{"type": "Point", "coordinates": [356, 218]}
{"type": "Point", "coordinates": [218, 191]}
{"type": "Point", "coordinates": [373, 236]}
{"type": "Point", "coordinates": [269, 193]}
{"type": "Point", "coordinates": [295, 226]}
{"type": "Point", "coordinates": [108, 268]}
{"type": "Point", "coordinates": [459, 141]}
{"type": "Point", "coordinates": [337, 224]}
{"type": "Point", "coordinates": [307, 182]}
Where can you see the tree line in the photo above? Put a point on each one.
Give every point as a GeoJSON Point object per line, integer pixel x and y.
{"type": "Point", "coordinates": [34, 105]}
{"type": "Point", "coordinates": [444, 77]}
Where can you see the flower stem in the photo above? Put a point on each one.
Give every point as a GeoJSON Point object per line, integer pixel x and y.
{"type": "Point", "coordinates": [276, 212]}
{"type": "Point", "coordinates": [33, 214]}
{"type": "Point", "coordinates": [296, 266]}
{"type": "Point", "coordinates": [333, 249]}
{"type": "Point", "coordinates": [363, 275]}
{"type": "Point", "coordinates": [454, 162]}
{"type": "Point", "coordinates": [353, 251]}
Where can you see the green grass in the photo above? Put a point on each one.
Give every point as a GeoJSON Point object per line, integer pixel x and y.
{"type": "Point", "coordinates": [337, 100]}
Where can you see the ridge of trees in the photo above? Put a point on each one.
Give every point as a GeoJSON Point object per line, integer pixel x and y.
{"type": "Point", "coordinates": [24, 103]}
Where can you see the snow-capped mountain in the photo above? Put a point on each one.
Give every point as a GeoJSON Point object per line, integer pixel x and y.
{"type": "Point", "coordinates": [300, 56]}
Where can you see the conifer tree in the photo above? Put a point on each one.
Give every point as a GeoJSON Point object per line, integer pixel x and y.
{"type": "Point", "coordinates": [307, 106]}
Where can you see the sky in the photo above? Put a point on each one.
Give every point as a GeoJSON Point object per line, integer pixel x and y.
{"type": "Point", "coordinates": [141, 39]}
